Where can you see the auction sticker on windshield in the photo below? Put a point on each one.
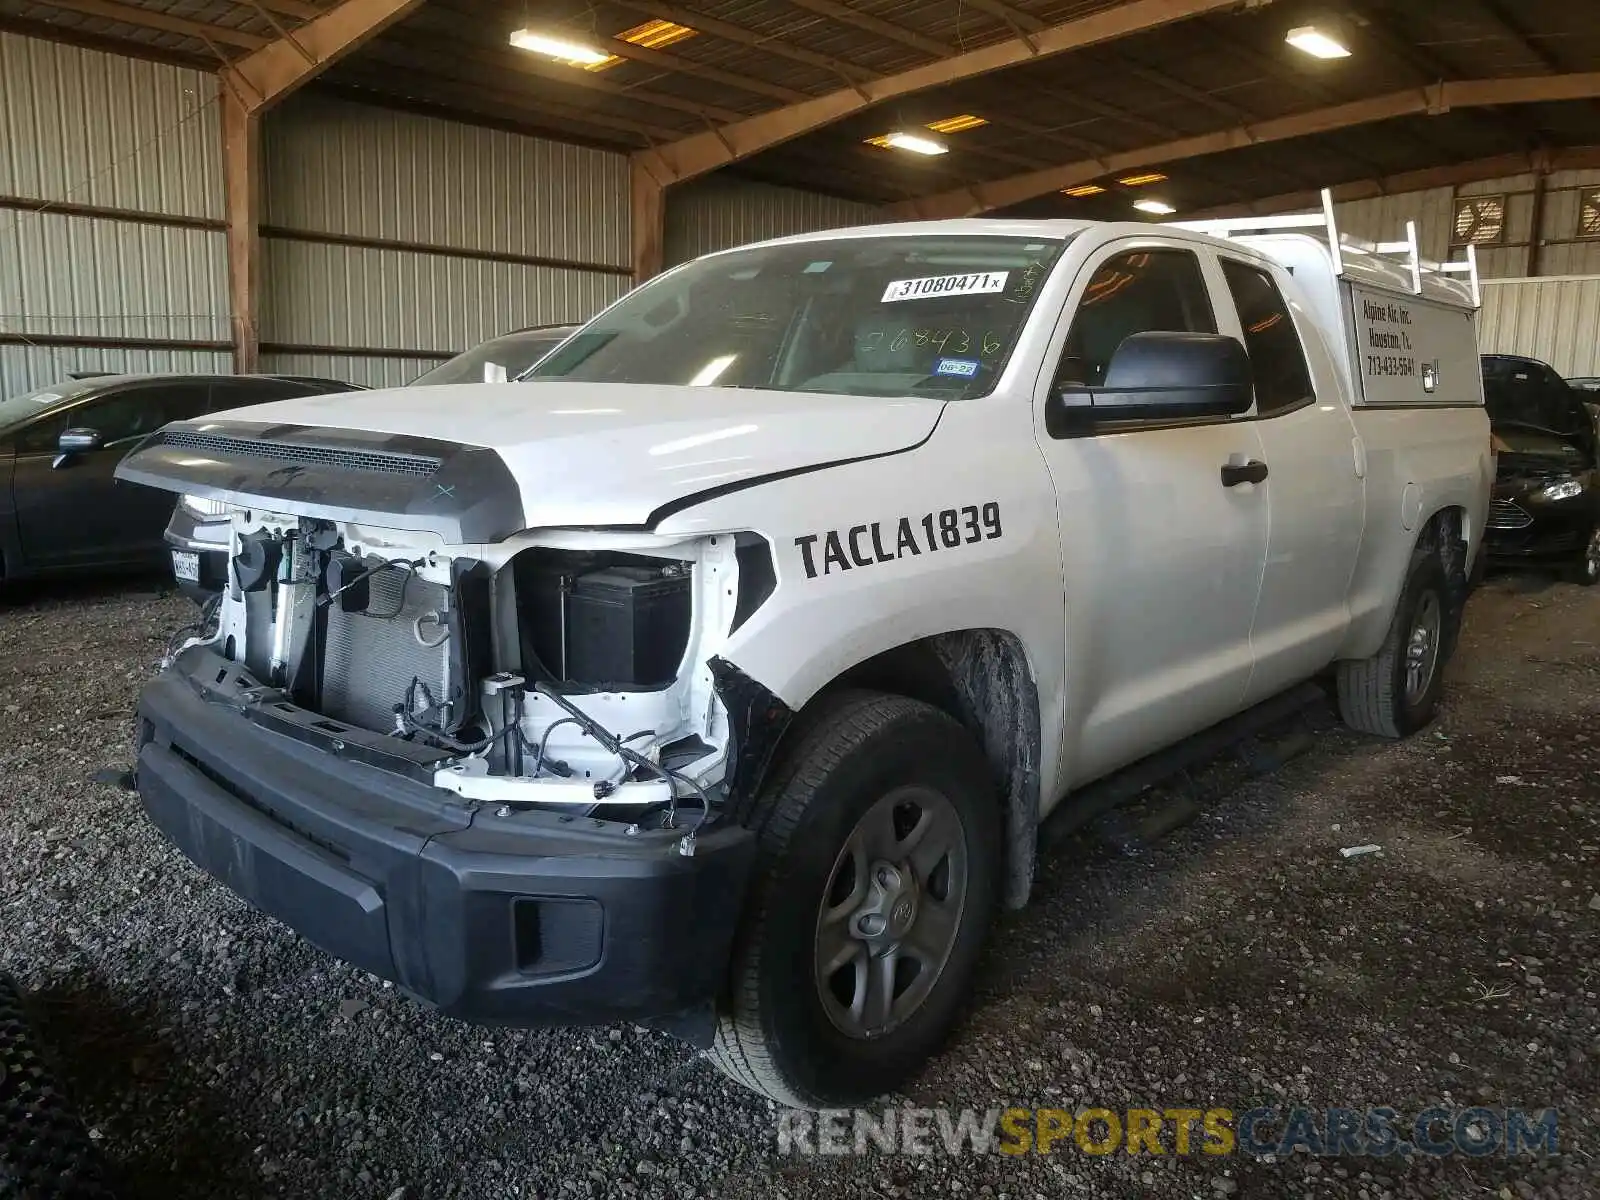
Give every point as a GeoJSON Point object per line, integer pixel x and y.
{"type": "Point", "coordinates": [977, 283]}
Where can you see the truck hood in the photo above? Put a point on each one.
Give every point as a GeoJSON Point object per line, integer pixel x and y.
{"type": "Point", "coordinates": [577, 454]}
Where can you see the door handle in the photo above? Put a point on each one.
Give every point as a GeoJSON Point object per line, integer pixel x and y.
{"type": "Point", "coordinates": [1234, 474]}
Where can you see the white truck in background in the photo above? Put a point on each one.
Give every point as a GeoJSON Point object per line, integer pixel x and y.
{"type": "Point", "coordinates": [719, 675]}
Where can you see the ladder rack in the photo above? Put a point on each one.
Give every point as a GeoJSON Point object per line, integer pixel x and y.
{"type": "Point", "coordinates": [1341, 244]}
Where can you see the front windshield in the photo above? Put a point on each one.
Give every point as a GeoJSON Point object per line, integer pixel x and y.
{"type": "Point", "coordinates": [495, 361]}
{"type": "Point", "coordinates": [873, 316]}
{"type": "Point", "coordinates": [30, 404]}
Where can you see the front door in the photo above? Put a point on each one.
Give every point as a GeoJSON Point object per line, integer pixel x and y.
{"type": "Point", "coordinates": [1162, 557]}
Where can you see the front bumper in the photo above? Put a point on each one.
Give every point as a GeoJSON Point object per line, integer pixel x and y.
{"type": "Point", "coordinates": [1555, 533]}
{"type": "Point", "coordinates": [534, 918]}
{"type": "Point", "coordinates": [208, 539]}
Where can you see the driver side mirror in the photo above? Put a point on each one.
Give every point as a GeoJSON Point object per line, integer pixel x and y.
{"type": "Point", "coordinates": [76, 441]}
{"type": "Point", "coordinates": [1157, 376]}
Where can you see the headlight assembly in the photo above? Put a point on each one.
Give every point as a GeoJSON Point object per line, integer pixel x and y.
{"type": "Point", "coordinates": [1565, 490]}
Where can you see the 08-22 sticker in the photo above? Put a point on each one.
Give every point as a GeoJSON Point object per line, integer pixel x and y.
{"type": "Point", "coordinates": [875, 542]}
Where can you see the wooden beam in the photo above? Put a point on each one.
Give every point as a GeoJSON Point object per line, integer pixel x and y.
{"type": "Point", "coordinates": [1536, 223]}
{"type": "Point", "coordinates": [144, 18]}
{"type": "Point", "coordinates": [648, 221]}
{"type": "Point", "coordinates": [704, 152]}
{"type": "Point", "coordinates": [1439, 98]}
{"type": "Point", "coordinates": [268, 74]}
{"type": "Point", "coordinates": [1452, 175]}
{"type": "Point", "coordinates": [241, 172]}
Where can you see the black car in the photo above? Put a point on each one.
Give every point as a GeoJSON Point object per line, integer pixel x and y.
{"type": "Point", "coordinates": [1546, 503]}
{"type": "Point", "coordinates": [198, 534]}
{"type": "Point", "coordinates": [61, 510]}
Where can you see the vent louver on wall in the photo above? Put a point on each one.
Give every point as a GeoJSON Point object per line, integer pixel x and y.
{"type": "Point", "coordinates": [1480, 220]}
{"type": "Point", "coordinates": [1589, 213]}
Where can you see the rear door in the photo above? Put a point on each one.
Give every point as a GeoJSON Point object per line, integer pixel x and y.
{"type": "Point", "coordinates": [71, 510]}
{"type": "Point", "coordinates": [1316, 499]}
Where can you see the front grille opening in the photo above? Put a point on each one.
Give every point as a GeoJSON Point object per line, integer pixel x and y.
{"type": "Point", "coordinates": [337, 457]}
{"type": "Point", "coordinates": [600, 620]}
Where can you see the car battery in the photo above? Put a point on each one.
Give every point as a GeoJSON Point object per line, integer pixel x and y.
{"type": "Point", "coordinates": [627, 626]}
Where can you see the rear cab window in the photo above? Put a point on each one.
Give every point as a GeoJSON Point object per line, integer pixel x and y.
{"type": "Point", "coordinates": [1277, 358]}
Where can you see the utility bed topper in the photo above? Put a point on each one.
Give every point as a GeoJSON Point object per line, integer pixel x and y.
{"type": "Point", "coordinates": [1407, 321]}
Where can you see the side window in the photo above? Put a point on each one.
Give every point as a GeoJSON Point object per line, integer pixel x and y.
{"type": "Point", "coordinates": [181, 401]}
{"type": "Point", "coordinates": [241, 393]}
{"type": "Point", "coordinates": [1138, 292]}
{"type": "Point", "coordinates": [130, 413]}
{"type": "Point", "coordinates": [1277, 358]}
{"type": "Point", "coordinates": [41, 437]}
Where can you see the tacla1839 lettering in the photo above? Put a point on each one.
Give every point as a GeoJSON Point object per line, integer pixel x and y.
{"type": "Point", "coordinates": [887, 541]}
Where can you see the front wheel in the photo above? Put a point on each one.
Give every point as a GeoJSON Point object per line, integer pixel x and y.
{"type": "Point", "coordinates": [877, 877]}
{"type": "Point", "coordinates": [1394, 693]}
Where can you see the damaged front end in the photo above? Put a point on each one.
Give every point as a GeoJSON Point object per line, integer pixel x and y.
{"type": "Point", "coordinates": [503, 770]}
{"type": "Point", "coordinates": [565, 671]}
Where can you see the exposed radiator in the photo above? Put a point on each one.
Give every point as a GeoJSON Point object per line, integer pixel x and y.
{"type": "Point", "coordinates": [372, 657]}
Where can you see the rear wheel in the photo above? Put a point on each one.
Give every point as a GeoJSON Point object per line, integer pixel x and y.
{"type": "Point", "coordinates": [1395, 692]}
{"type": "Point", "coordinates": [878, 871]}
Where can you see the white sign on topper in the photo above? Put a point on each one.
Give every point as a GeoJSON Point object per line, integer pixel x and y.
{"type": "Point", "coordinates": [973, 284]}
{"type": "Point", "coordinates": [1412, 350]}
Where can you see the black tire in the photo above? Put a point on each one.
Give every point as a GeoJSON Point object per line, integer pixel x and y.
{"type": "Point", "coordinates": [774, 1033]}
{"type": "Point", "coordinates": [45, 1153]}
{"type": "Point", "coordinates": [1586, 571]}
{"type": "Point", "coordinates": [1373, 695]}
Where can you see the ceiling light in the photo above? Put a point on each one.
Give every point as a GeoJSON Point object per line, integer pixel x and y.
{"type": "Point", "coordinates": [1141, 180]}
{"type": "Point", "coordinates": [572, 53]}
{"type": "Point", "coordinates": [957, 124]}
{"type": "Point", "coordinates": [1083, 189]}
{"type": "Point", "coordinates": [913, 143]}
{"type": "Point", "coordinates": [1159, 207]}
{"type": "Point", "coordinates": [1316, 43]}
{"type": "Point", "coordinates": [653, 35]}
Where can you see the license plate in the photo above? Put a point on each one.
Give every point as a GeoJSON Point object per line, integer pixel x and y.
{"type": "Point", "coordinates": [186, 566]}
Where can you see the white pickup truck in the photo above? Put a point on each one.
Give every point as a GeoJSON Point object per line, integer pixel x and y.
{"type": "Point", "coordinates": [719, 676]}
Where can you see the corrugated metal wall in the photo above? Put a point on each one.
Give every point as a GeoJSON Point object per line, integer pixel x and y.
{"type": "Point", "coordinates": [144, 274]}
{"type": "Point", "coordinates": [389, 234]}
{"type": "Point", "coordinates": [1383, 219]}
{"type": "Point", "coordinates": [1554, 319]}
{"type": "Point", "coordinates": [1562, 252]}
{"type": "Point", "coordinates": [715, 213]}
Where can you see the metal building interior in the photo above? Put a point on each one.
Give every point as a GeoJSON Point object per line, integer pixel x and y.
{"type": "Point", "coordinates": [680, 129]}
{"type": "Point", "coordinates": [354, 192]}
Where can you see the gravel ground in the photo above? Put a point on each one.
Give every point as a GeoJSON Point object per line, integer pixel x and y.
{"type": "Point", "coordinates": [1239, 961]}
